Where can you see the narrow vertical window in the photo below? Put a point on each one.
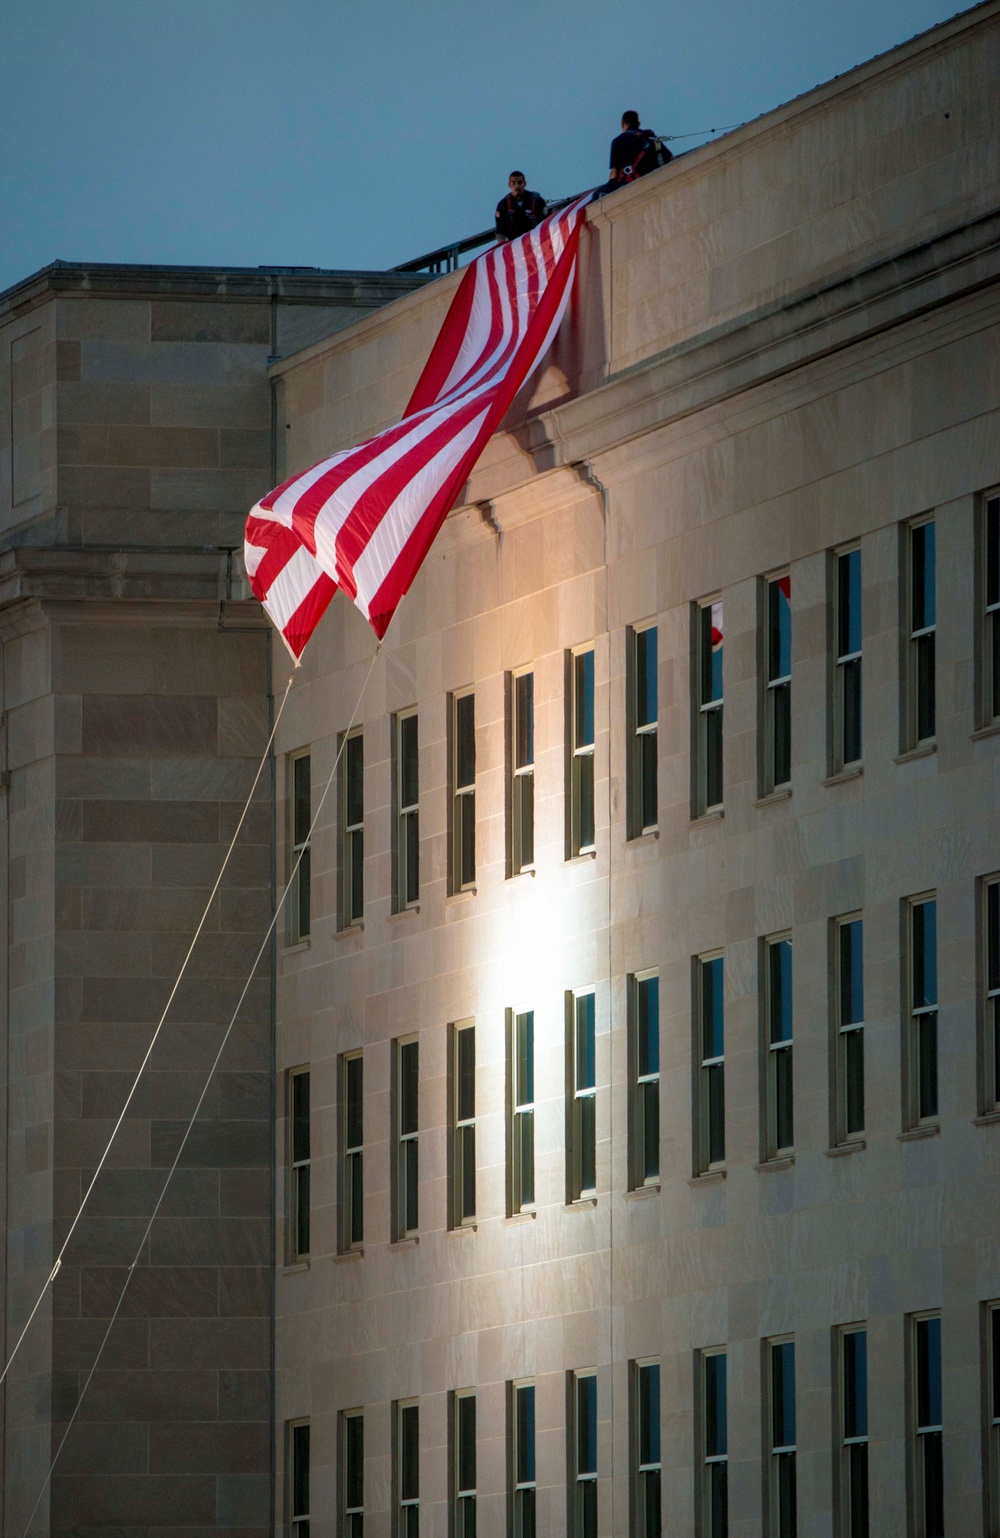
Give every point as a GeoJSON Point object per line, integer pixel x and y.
{"type": "Point", "coordinates": [926, 1412]}
{"type": "Point", "coordinates": [352, 831]}
{"type": "Point", "coordinates": [581, 768]}
{"type": "Point", "coordinates": [298, 1479]}
{"type": "Point", "coordinates": [521, 1094]}
{"type": "Point", "coordinates": [847, 669]}
{"type": "Point", "coordinates": [922, 1045]}
{"type": "Point", "coordinates": [780, 1130]}
{"type": "Point", "coordinates": [922, 629]}
{"type": "Point", "coordinates": [352, 1474]}
{"type": "Point", "coordinates": [583, 1442]}
{"type": "Point", "coordinates": [710, 1108]}
{"type": "Point", "coordinates": [299, 1163]}
{"type": "Point", "coordinates": [582, 1161]}
{"type": "Point", "coordinates": [990, 589]}
{"type": "Point", "coordinates": [352, 1224]}
{"type": "Point", "coordinates": [993, 1411]}
{"type": "Point", "coordinates": [464, 1464]}
{"type": "Point", "coordinates": [715, 1446]}
{"type": "Point", "coordinates": [708, 701]}
{"type": "Point", "coordinates": [463, 779]}
{"type": "Point", "coordinates": [781, 1473]}
{"type": "Point", "coordinates": [643, 723]}
{"type": "Point", "coordinates": [463, 1101]}
{"type": "Point", "coordinates": [522, 1459]}
{"type": "Point", "coordinates": [301, 914]}
{"type": "Point", "coordinates": [407, 1156]}
{"type": "Point", "coordinates": [407, 1469]}
{"type": "Point", "coordinates": [522, 767]}
{"type": "Point", "coordinates": [991, 1003]}
{"type": "Point", "coordinates": [644, 1122]}
{"type": "Point", "coordinates": [646, 1465]}
{"type": "Point", "coordinates": [853, 1494]}
{"type": "Point", "coordinates": [849, 1046]}
{"type": "Point", "coordinates": [778, 683]}
{"type": "Point", "coordinates": [407, 812]}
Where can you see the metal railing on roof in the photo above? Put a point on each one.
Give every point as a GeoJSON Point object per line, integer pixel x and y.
{"type": "Point", "coordinates": [446, 258]}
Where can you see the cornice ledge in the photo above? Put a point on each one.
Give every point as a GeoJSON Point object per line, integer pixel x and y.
{"type": "Point", "coordinates": [767, 343]}
{"type": "Point", "coordinates": [70, 574]}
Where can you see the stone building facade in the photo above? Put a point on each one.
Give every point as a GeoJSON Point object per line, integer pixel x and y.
{"type": "Point", "coordinates": [136, 430]}
{"type": "Point", "coordinates": [724, 940]}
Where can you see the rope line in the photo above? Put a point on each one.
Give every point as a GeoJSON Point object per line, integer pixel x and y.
{"type": "Point", "coordinates": [726, 128]}
{"type": "Point", "coordinates": [149, 1050]}
{"type": "Point", "coordinates": [205, 1087]}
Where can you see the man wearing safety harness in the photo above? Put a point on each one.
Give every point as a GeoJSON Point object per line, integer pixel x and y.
{"type": "Point", "coordinates": [520, 210]}
{"type": "Point", "coordinates": [634, 152]}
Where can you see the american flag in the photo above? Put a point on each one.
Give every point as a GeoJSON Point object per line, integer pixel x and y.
{"type": "Point", "coordinates": [364, 519]}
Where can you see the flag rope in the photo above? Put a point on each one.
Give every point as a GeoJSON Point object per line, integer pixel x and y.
{"type": "Point", "coordinates": [149, 1050]}
{"type": "Point", "coordinates": [211, 1074]}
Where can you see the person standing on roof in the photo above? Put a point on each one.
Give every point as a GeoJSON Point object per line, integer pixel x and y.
{"type": "Point", "coordinates": [634, 152]}
{"type": "Point", "coordinates": [520, 210]}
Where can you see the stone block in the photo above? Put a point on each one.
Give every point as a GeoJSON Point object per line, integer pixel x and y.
{"type": "Point", "coordinates": [133, 725]}
{"type": "Point", "coordinates": [210, 1242]}
{"type": "Point", "coordinates": [175, 822]}
{"type": "Point", "coordinates": [213, 1145]}
{"type": "Point", "coordinates": [238, 1344]}
{"type": "Point", "coordinates": [244, 408]}
{"type": "Point", "coordinates": [87, 1500]}
{"type": "Point", "coordinates": [154, 1292]}
{"type": "Point", "coordinates": [175, 320]}
{"type": "Point", "coordinates": [234, 1448]}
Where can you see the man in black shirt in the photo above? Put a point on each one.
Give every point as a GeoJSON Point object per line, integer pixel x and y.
{"type": "Point", "coordinates": [520, 210]}
{"type": "Point", "coordinates": [632, 154]}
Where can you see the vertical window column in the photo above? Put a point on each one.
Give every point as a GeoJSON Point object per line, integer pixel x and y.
{"type": "Point", "coordinates": [583, 1494]}
{"type": "Point", "coordinates": [991, 1003]}
{"type": "Point", "coordinates": [849, 1047]}
{"type": "Point", "coordinates": [922, 1046]}
{"type": "Point", "coordinates": [523, 1459]}
{"type": "Point", "coordinates": [407, 1471]}
{"type": "Point", "coordinates": [847, 675]}
{"type": "Point", "coordinates": [990, 589]}
{"type": "Point", "coordinates": [715, 1446]}
{"type": "Point", "coordinates": [581, 769]}
{"type": "Point", "coordinates": [300, 909]}
{"type": "Point", "coordinates": [922, 630]}
{"type": "Point", "coordinates": [407, 1133]}
{"type": "Point", "coordinates": [647, 1467]}
{"type": "Point", "coordinates": [928, 1464]}
{"type": "Point", "coordinates": [407, 812]}
{"type": "Point", "coordinates": [708, 703]}
{"type": "Point", "coordinates": [521, 1092]}
{"type": "Point", "coordinates": [778, 684]}
{"type": "Point", "coordinates": [522, 766]}
{"type": "Point", "coordinates": [644, 722]}
{"type": "Point", "coordinates": [464, 1467]}
{"type": "Point", "coordinates": [711, 1091]}
{"type": "Point", "coordinates": [352, 1474]}
{"type": "Point", "coordinates": [463, 809]}
{"type": "Point", "coordinates": [352, 831]}
{"type": "Point", "coordinates": [299, 1163]}
{"type": "Point", "coordinates": [779, 1118]}
{"type": "Point", "coordinates": [854, 1433]}
{"type": "Point", "coordinates": [352, 1219]}
{"type": "Point", "coordinates": [781, 1491]}
{"type": "Point", "coordinates": [993, 1410]}
{"type": "Point", "coordinates": [583, 1092]}
{"type": "Point", "coordinates": [298, 1479]}
{"type": "Point", "coordinates": [463, 1205]}
{"type": "Point", "coordinates": [644, 1066]}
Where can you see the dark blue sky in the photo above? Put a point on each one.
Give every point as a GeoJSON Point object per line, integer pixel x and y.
{"type": "Point", "coordinates": [327, 133]}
